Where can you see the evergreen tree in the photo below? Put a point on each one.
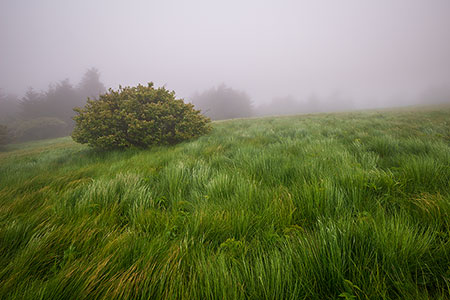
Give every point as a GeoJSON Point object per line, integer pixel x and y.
{"type": "Point", "coordinates": [4, 135]}
{"type": "Point", "coordinates": [32, 105]}
{"type": "Point", "coordinates": [60, 100]}
{"type": "Point", "coordinates": [8, 108]}
{"type": "Point", "coordinates": [90, 85]}
{"type": "Point", "coordinates": [223, 103]}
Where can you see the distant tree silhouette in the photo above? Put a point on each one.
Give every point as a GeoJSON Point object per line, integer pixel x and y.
{"type": "Point", "coordinates": [41, 128]}
{"type": "Point", "coordinates": [32, 105]}
{"type": "Point", "coordinates": [4, 135]}
{"type": "Point", "coordinates": [8, 108]}
{"type": "Point", "coordinates": [60, 100]}
{"type": "Point", "coordinates": [90, 85]}
{"type": "Point", "coordinates": [57, 102]}
{"type": "Point", "coordinates": [223, 102]}
{"type": "Point", "coordinates": [49, 114]}
{"type": "Point", "coordinates": [313, 104]}
{"type": "Point", "coordinates": [281, 106]}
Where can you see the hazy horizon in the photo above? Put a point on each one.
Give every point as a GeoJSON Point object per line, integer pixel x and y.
{"type": "Point", "coordinates": [370, 52]}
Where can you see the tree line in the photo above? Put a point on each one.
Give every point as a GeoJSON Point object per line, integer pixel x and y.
{"type": "Point", "coordinates": [46, 114]}
{"type": "Point", "coordinates": [223, 102]}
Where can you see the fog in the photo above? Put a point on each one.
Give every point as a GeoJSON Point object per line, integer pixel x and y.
{"type": "Point", "coordinates": [363, 53]}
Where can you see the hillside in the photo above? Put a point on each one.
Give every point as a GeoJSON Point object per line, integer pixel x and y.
{"type": "Point", "coordinates": [320, 206]}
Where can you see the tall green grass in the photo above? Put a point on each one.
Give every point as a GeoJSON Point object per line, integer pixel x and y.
{"type": "Point", "coordinates": [329, 206]}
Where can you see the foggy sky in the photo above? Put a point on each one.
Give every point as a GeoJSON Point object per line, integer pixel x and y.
{"type": "Point", "coordinates": [369, 49]}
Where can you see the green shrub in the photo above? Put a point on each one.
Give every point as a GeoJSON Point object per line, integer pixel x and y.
{"type": "Point", "coordinates": [41, 128]}
{"type": "Point", "coordinates": [4, 135]}
{"type": "Point", "coordinates": [139, 116]}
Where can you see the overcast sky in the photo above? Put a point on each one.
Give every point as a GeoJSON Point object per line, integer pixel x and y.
{"type": "Point", "coordinates": [365, 48]}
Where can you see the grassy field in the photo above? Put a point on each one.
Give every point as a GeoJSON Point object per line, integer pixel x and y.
{"type": "Point", "coordinates": [327, 206]}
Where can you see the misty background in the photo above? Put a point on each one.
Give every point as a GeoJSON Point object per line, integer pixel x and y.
{"type": "Point", "coordinates": [278, 57]}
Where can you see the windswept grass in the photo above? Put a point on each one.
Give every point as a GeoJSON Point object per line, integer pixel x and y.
{"type": "Point", "coordinates": [329, 206]}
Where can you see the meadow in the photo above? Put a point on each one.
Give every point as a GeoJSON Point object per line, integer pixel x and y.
{"type": "Point", "coordinates": [325, 206]}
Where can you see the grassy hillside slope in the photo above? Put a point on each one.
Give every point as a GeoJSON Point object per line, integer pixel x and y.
{"type": "Point", "coordinates": [329, 206]}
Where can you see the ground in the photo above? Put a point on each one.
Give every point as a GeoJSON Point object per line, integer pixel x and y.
{"type": "Point", "coordinates": [327, 206]}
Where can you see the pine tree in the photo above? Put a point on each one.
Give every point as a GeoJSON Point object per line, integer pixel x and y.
{"type": "Point", "coordinates": [90, 85]}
